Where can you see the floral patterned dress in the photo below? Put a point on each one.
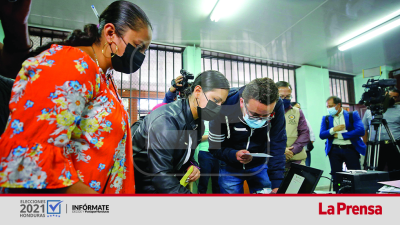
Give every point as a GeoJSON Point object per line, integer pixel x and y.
{"type": "Point", "coordinates": [66, 124]}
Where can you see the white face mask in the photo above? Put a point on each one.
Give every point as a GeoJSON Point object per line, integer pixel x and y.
{"type": "Point", "coordinates": [332, 111]}
{"type": "Point", "coordinates": [255, 123]}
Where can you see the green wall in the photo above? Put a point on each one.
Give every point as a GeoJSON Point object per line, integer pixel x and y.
{"type": "Point", "coordinates": [1, 33]}
{"type": "Point", "coordinates": [313, 89]}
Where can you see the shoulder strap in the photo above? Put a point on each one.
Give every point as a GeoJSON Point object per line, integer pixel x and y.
{"type": "Point", "coordinates": [327, 121]}
{"type": "Point", "coordinates": [351, 118]}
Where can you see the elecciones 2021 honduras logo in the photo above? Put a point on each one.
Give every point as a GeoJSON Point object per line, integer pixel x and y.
{"type": "Point", "coordinates": [40, 208]}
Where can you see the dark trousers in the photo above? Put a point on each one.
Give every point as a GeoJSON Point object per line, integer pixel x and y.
{"type": "Point", "coordinates": [208, 166]}
{"type": "Point", "coordinates": [308, 160]}
{"type": "Point", "coordinates": [389, 157]}
{"type": "Point", "coordinates": [347, 154]}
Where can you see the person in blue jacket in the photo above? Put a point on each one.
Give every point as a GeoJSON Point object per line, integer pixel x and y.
{"type": "Point", "coordinates": [344, 142]}
{"type": "Point", "coordinates": [252, 120]}
{"type": "Point", "coordinates": [170, 96]}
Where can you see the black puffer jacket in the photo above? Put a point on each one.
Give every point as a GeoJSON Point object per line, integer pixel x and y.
{"type": "Point", "coordinates": [164, 146]}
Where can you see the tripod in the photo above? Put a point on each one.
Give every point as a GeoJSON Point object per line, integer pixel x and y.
{"type": "Point", "coordinates": [371, 161]}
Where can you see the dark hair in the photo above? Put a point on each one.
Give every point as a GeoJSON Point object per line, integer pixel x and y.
{"type": "Point", "coordinates": [123, 14]}
{"type": "Point", "coordinates": [263, 90]}
{"type": "Point", "coordinates": [294, 103]}
{"type": "Point", "coordinates": [283, 84]}
{"type": "Point", "coordinates": [336, 100]}
{"type": "Point", "coordinates": [208, 80]}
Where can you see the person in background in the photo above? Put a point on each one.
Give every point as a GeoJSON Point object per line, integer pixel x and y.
{"type": "Point", "coordinates": [208, 164]}
{"type": "Point", "coordinates": [82, 146]}
{"type": "Point", "coordinates": [14, 51]}
{"type": "Point", "coordinates": [344, 142]}
{"type": "Point", "coordinates": [310, 145]}
{"type": "Point", "coordinates": [170, 96]}
{"type": "Point", "coordinates": [296, 105]}
{"type": "Point", "coordinates": [251, 121]}
{"type": "Point", "coordinates": [389, 157]}
{"type": "Point", "coordinates": [297, 132]}
{"type": "Point", "coordinates": [165, 142]}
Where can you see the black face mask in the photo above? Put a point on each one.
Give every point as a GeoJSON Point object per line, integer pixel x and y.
{"type": "Point", "coordinates": [130, 61]}
{"type": "Point", "coordinates": [210, 111]}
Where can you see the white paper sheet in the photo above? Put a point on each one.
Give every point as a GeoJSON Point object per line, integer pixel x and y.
{"type": "Point", "coordinates": [295, 184]}
{"type": "Point", "coordinates": [341, 131]}
{"type": "Point", "coordinates": [258, 154]}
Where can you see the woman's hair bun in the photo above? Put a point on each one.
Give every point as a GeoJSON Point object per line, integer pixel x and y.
{"type": "Point", "coordinates": [87, 37]}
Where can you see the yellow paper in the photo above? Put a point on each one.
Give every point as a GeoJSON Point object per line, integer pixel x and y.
{"type": "Point", "coordinates": [184, 178]}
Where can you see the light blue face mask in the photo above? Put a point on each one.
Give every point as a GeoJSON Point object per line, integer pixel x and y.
{"type": "Point", "coordinates": [332, 111]}
{"type": "Point", "coordinates": [254, 123]}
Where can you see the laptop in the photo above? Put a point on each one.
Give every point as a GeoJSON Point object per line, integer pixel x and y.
{"type": "Point", "coordinates": [300, 180]}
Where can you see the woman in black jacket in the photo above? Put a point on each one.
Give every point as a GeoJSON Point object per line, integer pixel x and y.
{"type": "Point", "coordinates": [166, 140]}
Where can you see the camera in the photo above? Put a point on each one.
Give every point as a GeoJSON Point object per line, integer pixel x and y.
{"type": "Point", "coordinates": [375, 97]}
{"type": "Point", "coordinates": [185, 81]}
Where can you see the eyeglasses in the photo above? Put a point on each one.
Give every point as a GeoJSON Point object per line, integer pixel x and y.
{"type": "Point", "coordinates": [289, 97]}
{"type": "Point", "coordinates": [267, 117]}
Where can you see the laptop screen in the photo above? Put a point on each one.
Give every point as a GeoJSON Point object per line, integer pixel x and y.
{"type": "Point", "coordinates": [300, 180]}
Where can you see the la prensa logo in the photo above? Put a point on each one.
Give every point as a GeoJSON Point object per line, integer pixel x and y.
{"type": "Point", "coordinates": [350, 209]}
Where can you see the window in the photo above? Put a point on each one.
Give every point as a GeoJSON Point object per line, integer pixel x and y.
{"type": "Point", "coordinates": [241, 70]}
{"type": "Point", "coordinates": [42, 36]}
{"type": "Point", "coordinates": [342, 86]}
{"type": "Point", "coordinates": [146, 88]}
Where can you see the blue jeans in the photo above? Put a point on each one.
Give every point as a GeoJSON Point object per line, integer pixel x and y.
{"type": "Point", "coordinates": [231, 179]}
{"type": "Point", "coordinates": [208, 166]}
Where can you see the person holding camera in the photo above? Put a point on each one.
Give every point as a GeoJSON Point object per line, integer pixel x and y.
{"type": "Point", "coordinates": [180, 83]}
{"type": "Point", "coordinates": [389, 157]}
{"type": "Point", "coordinates": [166, 140]}
{"type": "Point", "coordinates": [343, 131]}
{"type": "Point", "coordinates": [170, 96]}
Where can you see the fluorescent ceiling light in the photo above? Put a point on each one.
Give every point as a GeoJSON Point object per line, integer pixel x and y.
{"type": "Point", "coordinates": [385, 26]}
{"type": "Point", "coordinates": [224, 8]}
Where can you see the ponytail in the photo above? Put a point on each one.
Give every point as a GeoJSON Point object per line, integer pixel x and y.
{"type": "Point", "coordinates": [87, 37]}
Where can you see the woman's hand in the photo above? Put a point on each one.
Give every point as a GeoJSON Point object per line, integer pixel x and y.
{"type": "Point", "coordinates": [195, 175]}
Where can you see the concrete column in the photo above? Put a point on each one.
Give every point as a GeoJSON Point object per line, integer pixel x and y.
{"type": "Point", "coordinates": [192, 60]}
{"type": "Point", "coordinates": [313, 89]}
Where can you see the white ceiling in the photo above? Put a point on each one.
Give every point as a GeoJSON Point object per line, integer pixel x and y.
{"type": "Point", "coordinates": [291, 31]}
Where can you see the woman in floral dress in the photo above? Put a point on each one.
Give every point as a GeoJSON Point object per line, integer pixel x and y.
{"type": "Point", "coordinates": [68, 130]}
